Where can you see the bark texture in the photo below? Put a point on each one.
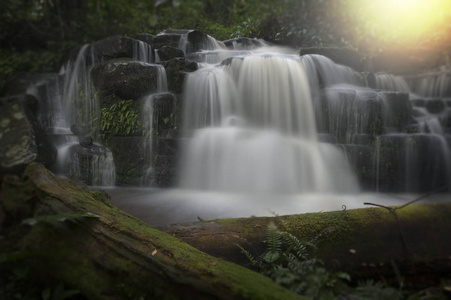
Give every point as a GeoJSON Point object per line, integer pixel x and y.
{"type": "Point", "coordinates": [106, 253]}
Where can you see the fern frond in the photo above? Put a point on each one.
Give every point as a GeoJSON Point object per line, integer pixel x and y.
{"type": "Point", "coordinates": [295, 245]}
{"type": "Point", "coordinates": [274, 239]}
{"type": "Point", "coordinates": [247, 254]}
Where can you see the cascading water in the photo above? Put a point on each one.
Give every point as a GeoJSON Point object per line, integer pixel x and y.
{"type": "Point", "coordinates": [267, 131]}
{"type": "Point", "coordinates": [77, 103]}
{"type": "Point", "coordinates": [255, 132]}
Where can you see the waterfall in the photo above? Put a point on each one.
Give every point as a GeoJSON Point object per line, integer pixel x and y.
{"type": "Point", "coordinates": [78, 103]}
{"type": "Point", "coordinates": [142, 52]}
{"type": "Point", "coordinates": [389, 82]}
{"type": "Point", "coordinates": [436, 84]}
{"type": "Point", "coordinates": [252, 129]}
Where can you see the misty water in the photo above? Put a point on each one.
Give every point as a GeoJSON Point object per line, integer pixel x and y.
{"type": "Point", "coordinates": [257, 140]}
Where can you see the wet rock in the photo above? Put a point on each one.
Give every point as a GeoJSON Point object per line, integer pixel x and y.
{"type": "Point", "coordinates": [131, 158]}
{"type": "Point", "coordinates": [79, 130]}
{"type": "Point", "coordinates": [396, 110]}
{"type": "Point", "coordinates": [85, 141]}
{"type": "Point", "coordinates": [167, 52]}
{"type": "Point", "coordinates": [412, 163]}
{"type": "Point", "coordinates": [125, 78]}
{"type": "Point", "coordinates": [22, 139]}
{"type": "Point", "coordinates": [347, 112]}
{"type": "Point", "coordinates": [166, 39]}
{"type": "Point", "coordinates": [435, 106]}
{"type": "Point", "coordinates": [418, 102]}
{"type": "Point", "coordinates": [165, 161]}
{"type": "Point", "coordinates": [242, 43]}
{"type": "Point", "coordinates": [113, 47]}
{"type": "Point", "coordinates": [145, 37]}
{"type": "Point", "coordinates": [83, 135]}
{"type": "Point", "coordinates": [91, 164]}
{"type": "Point", "coordinates": [161, 111]}
{"type": "Point", "coordinates": [188, 41]}
{"type": "Point", "coordinates": [136, 166]}
{"type": "Point", "coordinates": [361, 159]}
{"type": "Point", "coordinates": [176, 70]}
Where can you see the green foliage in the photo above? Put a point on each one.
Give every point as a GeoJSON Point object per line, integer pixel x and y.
{"type": "Point", "coordinates": [288, 262]}
{"type": "Point", "coordinates": [120, 118]}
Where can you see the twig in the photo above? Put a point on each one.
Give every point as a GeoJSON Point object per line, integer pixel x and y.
{"type": "Point", "coordinates": [394, 209]}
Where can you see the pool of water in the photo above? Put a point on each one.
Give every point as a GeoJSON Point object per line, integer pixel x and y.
{"type": "Point", "coordinates": [163, 206]}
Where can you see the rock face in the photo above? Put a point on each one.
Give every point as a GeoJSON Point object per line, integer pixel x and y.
{"type": "Point", "coordinates": [188, 41]}
{"type": "Point", "coordinates": [415, 162]}
{"type": "Point", "coordinates": [113, 47]}
{"type": "Point", "coordinates": [22, 139]}
{"type": "Point", "coordinates": [166, 53]}
{"type": "Point", "coordinates": [126, 79]}
{"type": "Point", "coordinates": [176, 70]}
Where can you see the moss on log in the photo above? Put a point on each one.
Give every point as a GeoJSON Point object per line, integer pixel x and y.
{"type": "Point", "coordinates": [112, 255]}
{"type": "Point", "coordinates": [363, 242]}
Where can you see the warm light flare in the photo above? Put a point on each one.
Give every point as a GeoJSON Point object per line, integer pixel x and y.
{"type": "Point", "coordinates": [404, 21]}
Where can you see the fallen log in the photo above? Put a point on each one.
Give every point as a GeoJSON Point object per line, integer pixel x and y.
{"type": "Point", "coordinates": [66, 232]}
{"type": "Point", "coordinates": [367, 242]}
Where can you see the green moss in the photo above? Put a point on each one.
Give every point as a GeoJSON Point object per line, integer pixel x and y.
{"type": "Point", "coordinates": [98, 255]}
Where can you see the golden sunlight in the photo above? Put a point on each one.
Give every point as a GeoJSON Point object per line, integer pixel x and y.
{"type": "Point", "coordinates": [404, 21]}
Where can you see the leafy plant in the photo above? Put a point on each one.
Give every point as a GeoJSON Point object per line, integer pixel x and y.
{"type": "Point", "coordinates": [121, 118]}
{"type": "Point", "coordinates": [288, 262]}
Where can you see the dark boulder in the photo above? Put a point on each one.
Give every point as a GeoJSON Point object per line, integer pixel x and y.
{"type": "Point", "coordinates": [131, 158]}
{"type": "Point", "coordinates": [176, 70]}
{"type": "Point", "coordinates": [435, 106]}
{"type": "Point", "coordinates": [166, 39]}
{"type": "Point", "coordinates": [125, 78]}
{"type": "Point", "coordinates": [145, 37]}
{"type": "Point", "coordinates": [22, 139]}
{"type": "Point", "coordinates": [79, 130]}
{"type": "Point", "coordinates": [188, 41]}
{"type": "Point", "coordinates": [167, 52]}
{"type": "Point", "coordinates": [113, 47]}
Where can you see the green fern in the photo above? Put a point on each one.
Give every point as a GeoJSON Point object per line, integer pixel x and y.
{"type": "Point", "coordinates": [295, 245]}
{"type": "Point", "coordinates": [247, 254]}
{"type": "Point", "coordinates": [274, 244]}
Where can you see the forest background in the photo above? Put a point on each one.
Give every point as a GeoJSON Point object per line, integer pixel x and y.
{"type": "Point", "coordinates": [38, 35]}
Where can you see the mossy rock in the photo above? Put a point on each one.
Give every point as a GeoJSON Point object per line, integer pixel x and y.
{"type": "Point", "coordinates": [22, 139]}
{"type": "Point", "coordinates": [126, 79]}
{"type": "Point", "coordinates": [176, 70]}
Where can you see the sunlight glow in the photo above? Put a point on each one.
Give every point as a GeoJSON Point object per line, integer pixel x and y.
{"type": "Point", "coordinates": [404, 21]}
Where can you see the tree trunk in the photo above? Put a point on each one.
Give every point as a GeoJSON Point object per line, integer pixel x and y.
{"type": "Point", "coordinates": [363, 242]}
{"type": "Point", "coordinates": [77, 237]}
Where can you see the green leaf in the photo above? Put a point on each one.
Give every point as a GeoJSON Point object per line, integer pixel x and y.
{"type": "Point", "coordinates": [271, 256]}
